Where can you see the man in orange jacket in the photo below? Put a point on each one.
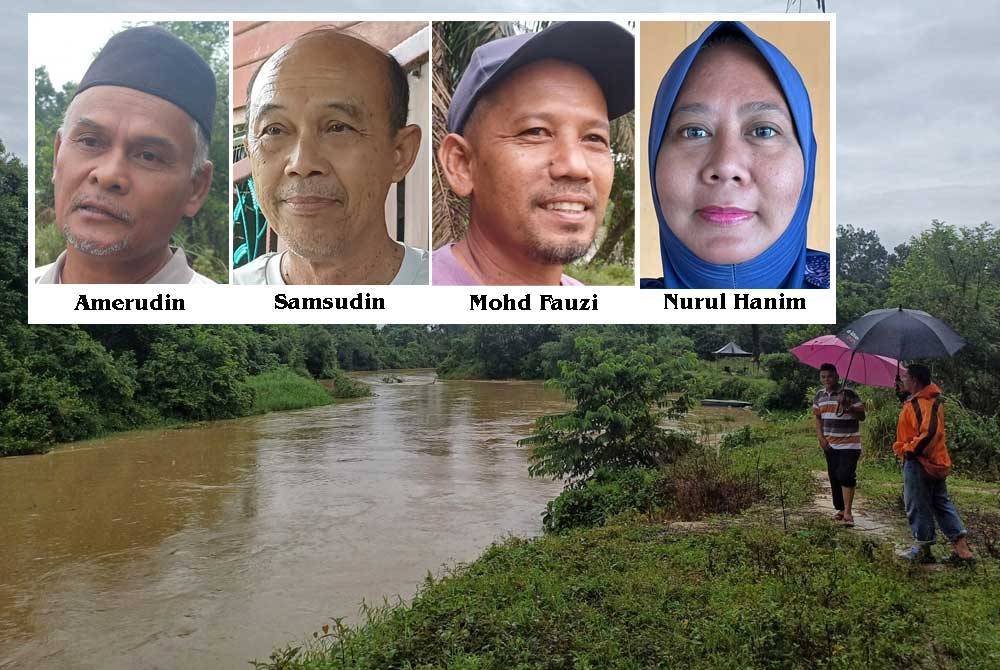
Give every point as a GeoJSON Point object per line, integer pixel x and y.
{"type": "Point", "coordinates": [920, 443]}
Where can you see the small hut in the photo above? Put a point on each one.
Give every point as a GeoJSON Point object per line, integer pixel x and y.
{"type": "Point", "coordinates": [731, 350]}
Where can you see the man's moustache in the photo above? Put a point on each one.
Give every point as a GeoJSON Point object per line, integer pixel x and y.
{"type": "Point", "coordinates": [106, 205]}
{"type": "Point", "coordinates": [310, 192]}
{"type": "Point", "coordinates": [556, 194]}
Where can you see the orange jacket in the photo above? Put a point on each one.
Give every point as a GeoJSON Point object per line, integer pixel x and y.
{"type": "Point", "coordinates": [921, 428]}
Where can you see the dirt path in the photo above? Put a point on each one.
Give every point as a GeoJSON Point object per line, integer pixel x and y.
{"type": "Point", "coordinates": [882, 526]}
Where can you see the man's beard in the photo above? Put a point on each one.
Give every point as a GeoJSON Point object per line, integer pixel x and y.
{"type": "Point", "coordinates": [557, 253]}
{"type": "Point", "coordinates": [92, 248]}
{"type": "Point", "coordinates": [560, 251]}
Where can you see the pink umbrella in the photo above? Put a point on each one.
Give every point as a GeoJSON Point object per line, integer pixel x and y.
{"type": "Point", "coordinates": [857, 366]}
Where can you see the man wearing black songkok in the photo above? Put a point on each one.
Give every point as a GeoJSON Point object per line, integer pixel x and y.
{"type": "Point", "coordinates": [131, 160]}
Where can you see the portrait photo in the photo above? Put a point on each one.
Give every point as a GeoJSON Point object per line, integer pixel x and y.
{"type": "Point", "coordinates": [735, 128]}
{"type": "Point", "coordinates": [534, 146]}
{"type": "Point", "coordinates": [131, 144]}
{"type": "Point", "coordinates": [331, 141]}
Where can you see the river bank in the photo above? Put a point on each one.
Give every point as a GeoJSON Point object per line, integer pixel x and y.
{"type": "Point", "coordinates": [197, 548]}
{"type": "Point", "coordinates": [774, 585]}
{"type": "Point", "coordinates": [276, 390]}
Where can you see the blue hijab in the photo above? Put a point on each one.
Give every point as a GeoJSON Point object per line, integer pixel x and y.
{"type": "Point", "coordinates": [786, 263]}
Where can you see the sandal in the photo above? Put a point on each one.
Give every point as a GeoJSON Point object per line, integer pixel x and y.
{"type": "Point", "coordinates": [849, 522]}
{"type": "Point", "coordinates": [839, 516]}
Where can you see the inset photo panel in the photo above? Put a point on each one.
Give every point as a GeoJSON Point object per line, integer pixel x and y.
{"type": "Point", "coordinates": [131, 149]}
{"type": "Point", "coordinates": [735, 130]}
{"type": "Point", "coordinates": [331, 137]}
{"type": "Point", "coordinates": [535, 153]}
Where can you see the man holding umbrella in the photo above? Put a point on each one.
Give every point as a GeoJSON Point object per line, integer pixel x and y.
{"type": "Point", "coordinates": [920, 442]}
{"type": "Point", "coordinates": [920, 438]}
{"type": "Point", "coordinates": [839, 412]}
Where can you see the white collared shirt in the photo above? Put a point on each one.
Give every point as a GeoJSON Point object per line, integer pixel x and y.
{"type": "Point", "coordinates": [266, 269]}
{"type": "Point", "coordinates": [176, 271]}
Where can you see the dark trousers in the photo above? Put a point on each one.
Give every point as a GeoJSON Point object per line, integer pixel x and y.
{"type": "Point", "coordinates": [842, 466]}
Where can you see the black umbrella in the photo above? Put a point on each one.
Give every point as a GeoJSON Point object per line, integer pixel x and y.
{"type": "Point", "coordinates": [902, 334]}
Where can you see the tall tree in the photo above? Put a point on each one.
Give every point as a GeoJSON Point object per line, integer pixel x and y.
{"type": "Point", "coordinates": [861, 257]}
{"type": "Point", "coordinates": [954, 274]}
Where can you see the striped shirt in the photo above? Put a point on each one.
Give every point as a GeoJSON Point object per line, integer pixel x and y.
{"type": "Point", "coordinates": [841, 429]}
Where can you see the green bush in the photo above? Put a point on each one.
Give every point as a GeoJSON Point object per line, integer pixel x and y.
{"type": "Point", "coordinates": [741, 438]}
{"type": "Point", "coordinates": [796, 382]}
{"type": "Point", "coordinates": [616, 420]}
{"type": "Point", "coordinates": [343, 385]}
{"type": "Point", "coordinates": [878, 430]}
{"type": "Point", "coordinates": [68, 388]}
{"type": "Point", "coordinates": [593, 501]}
{"type": "Point", "coordinates": [282, 389]}
{"type": "Point", "coordinates": [45, 411]}
{"type": "Point", "coordinates": [193, 374]}
{"type": "Point", "coordinates": [754, 390]}
{"type": "Point", "coordinates": [696, 485]}
{"type": "Point", "coordinates": [973, 441]}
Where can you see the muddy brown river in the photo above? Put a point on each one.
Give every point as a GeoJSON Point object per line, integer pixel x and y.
{"type": "Point", "coordinates": [208, 546]}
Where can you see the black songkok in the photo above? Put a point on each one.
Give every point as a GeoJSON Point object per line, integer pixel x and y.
{"type": "Point", "coordinates": [152, 60]}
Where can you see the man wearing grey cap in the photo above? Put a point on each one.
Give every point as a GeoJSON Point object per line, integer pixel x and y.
{"type": "Point", "coordinates": [529, 144]}
{"type": "Point", "coordinates": [131, 160]}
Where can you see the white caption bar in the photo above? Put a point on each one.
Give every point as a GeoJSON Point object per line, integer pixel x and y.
{"type": "Point", "coordinates": [421, 304]}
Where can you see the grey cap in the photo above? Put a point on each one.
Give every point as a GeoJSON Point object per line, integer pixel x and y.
{"type": "Point", "coordinates": [604, 49]}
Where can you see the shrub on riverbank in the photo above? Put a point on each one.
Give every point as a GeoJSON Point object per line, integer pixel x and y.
{"type": "Point", "coordinates": [591, 502]}
{"type": "Point", "coordinates": [621, 400]}
{"type": "Point", "coordinates": [637, 596]}
{"type": "Point", "coordinates": [698, 485]}
{"type": "Point", "coordinates": [705, 484]}
{"type": "Point", "coordinates": [344, 386]}
{"type": "Point", "coordinates": [282, 389]}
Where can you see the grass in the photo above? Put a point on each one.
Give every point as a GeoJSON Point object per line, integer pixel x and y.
{"type": "Point", "coordinates": [598, 274]}
{"type": "Point", "coordinates": [282, 389]}
{"type": "Point", "coordinates": [635, 595]}
{"type": "Point", "coordinates": [757, 590]}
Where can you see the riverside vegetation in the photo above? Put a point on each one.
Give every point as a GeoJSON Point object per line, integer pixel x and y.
{"type": "Point", "coordinates": [624, 579]}
{"type": "Point", "coordinates": [615, 583]}
{"type": "Point", "coordinates": [65, 383]}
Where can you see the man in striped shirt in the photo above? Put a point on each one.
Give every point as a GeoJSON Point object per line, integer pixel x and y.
{"type": "Point", "coordinates": [839, 413]}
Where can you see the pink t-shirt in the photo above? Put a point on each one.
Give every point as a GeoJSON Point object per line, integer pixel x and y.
{"type": "Point", "coordinates": [447, 271]}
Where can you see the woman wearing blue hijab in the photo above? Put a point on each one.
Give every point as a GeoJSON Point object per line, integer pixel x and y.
{"type": "Point", "coordinates": [732, 164]}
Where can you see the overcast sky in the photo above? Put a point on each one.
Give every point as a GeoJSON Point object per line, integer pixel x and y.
{"type": "Point", "coordinates": [918, 93]}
